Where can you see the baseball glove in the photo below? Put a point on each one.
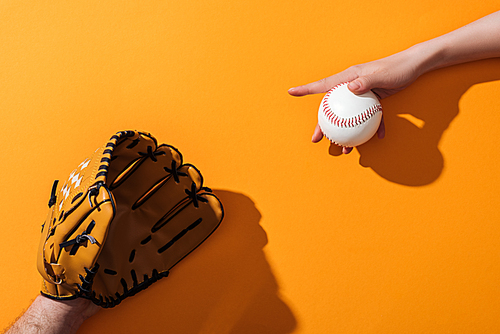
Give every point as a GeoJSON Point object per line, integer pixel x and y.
{"type": "Point", "coordinates": [122, 220]}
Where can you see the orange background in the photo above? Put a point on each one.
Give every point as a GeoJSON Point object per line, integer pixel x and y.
{"type": "Point", "coordinates": [400, 236]}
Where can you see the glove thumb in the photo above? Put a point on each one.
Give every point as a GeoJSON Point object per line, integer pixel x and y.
{"type": "Point", "coordinates": [363, 84]}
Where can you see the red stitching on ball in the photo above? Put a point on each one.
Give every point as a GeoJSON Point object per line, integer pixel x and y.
{"type": "Point", "coordinates": [348, 122]}
{"type": "Point", "coordinates": [337, 86]}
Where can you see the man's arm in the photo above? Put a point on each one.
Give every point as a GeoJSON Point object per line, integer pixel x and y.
{"type": "Point", "coordinates": [54, 316]}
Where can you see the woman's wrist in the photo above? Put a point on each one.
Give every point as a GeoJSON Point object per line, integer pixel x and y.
{"type": "Point", "coordinates": [427, 56]}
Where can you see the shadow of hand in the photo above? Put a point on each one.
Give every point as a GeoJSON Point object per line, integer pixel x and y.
{"type": "Point", "coordinates": [416, 119]}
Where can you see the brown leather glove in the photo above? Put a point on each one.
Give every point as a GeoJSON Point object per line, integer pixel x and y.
{"type": "Point", "coordinates": [122, 220]}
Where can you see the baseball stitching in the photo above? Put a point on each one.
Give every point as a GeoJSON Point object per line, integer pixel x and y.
{"type": "Point", "coordinates": [348, 122]}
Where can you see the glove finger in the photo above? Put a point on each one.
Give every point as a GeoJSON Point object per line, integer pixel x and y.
{"type": "Point", "coordinates": [169, 196]}
{"type": "Point", "coordinates": [156, 208]}
{"type": "Point", "coordinates": [129, 150]}
{"type": "Point", "coordinates": [148, 174]}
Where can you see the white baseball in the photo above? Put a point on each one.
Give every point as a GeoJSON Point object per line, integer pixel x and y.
{"type": "Point", "coordinates": [347, 119]}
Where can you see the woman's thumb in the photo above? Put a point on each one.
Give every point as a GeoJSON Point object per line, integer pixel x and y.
{"type": "Point", "coordinates": [362, 84]}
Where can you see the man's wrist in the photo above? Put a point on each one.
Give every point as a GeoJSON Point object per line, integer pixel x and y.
{"type": "Point", "coordinates": [71, 313]}
{"type": "Point", "coordinates": [46, 315]}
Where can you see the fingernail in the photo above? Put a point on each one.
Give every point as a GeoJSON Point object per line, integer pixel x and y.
{"type": "Point", "coordinates": [354, 85]}
{"type": "Point", "coordinates": [346, 150]}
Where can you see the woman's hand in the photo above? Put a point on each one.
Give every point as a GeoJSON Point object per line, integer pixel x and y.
{"type": "Point", "coordinates": [384, 77]}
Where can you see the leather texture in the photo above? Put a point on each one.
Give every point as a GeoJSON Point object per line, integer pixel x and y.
{"type": "Point", "coordinates": [123, 219]}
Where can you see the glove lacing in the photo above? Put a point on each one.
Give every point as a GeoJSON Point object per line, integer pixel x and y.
{"type": "Point", "coordinates": [79, 239]}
